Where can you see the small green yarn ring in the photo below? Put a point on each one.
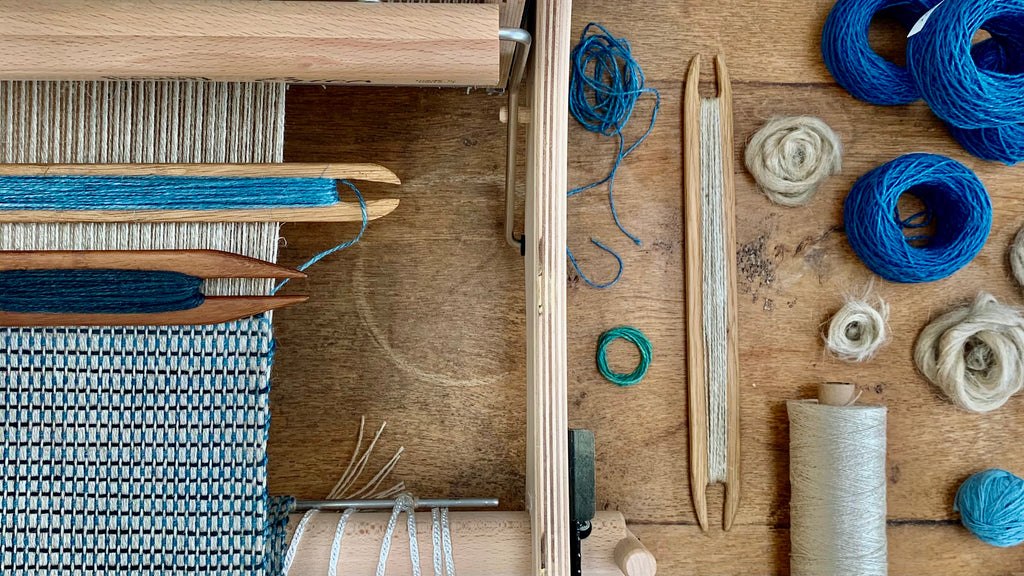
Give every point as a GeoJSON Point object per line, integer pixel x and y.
{"type": "Point", "coordinates": [629, 334]}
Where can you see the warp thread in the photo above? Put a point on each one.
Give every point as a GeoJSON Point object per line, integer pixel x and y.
{"type": "Point", "coordinates": [1017, 257]}
{"type": "Point", "coordinates": [98, 291]}
{"type": "Point", "coordinates": [604, 86]}
{"type": "Point", "coordinates": [974, 353]}
{"type": "Point", "coordinates": [837, 474]}
{"type": "Point", "coordinates": [991, 506]}
{"type": "Point", "coordinates": [955, 200]}
{"type": "Point", "coordinates": [858, 330]}
{"type": "Point", "coordinates": [790, 157]}
{"type": "Point", "coordinates": [628, 334]}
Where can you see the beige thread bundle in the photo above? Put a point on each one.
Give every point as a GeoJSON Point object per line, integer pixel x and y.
{"type": "Point", "coordinates": [1017, 257]}
{"type": "Point", "coordinates": [837, 475]}
{"type": "Point", "coordinates": [858, 330]}
{"type": "Point", "coordinates": [974, 353]}
{"type": "Point", "coordinates": [790, 156]}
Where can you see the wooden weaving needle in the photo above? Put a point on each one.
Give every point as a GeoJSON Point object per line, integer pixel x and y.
{"type": "Point", "coordinates": [198, 263]}
{"type": "Point", "coordinates": [339, 212]}
{"type": "Point", "coordinates": [695, 355]}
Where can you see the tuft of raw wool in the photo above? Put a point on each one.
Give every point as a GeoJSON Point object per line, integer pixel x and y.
{"type": "Point", "coordinates": [790, 156]}
{"type": "Point", "coordinates": [858, 330]}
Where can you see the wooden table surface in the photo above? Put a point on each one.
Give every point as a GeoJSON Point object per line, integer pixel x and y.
{"type": "Point", "coordinates": [422, 323]}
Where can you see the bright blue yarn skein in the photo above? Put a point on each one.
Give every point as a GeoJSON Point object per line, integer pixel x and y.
{"type": "Point", "coordinates": [852, 62]}
{"type": "Point", "coordinates": [604, 86]}
{"type": "Point", "coordinates": [940, 61]}
{"type": "Point", "coordinates": [954, 197]}
{"type": "Point", "coordinates": [991, 506]}
{"type": "Point", "coordinates": [629, 334]}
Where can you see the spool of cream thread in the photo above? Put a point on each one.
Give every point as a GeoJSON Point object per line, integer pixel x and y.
{"type": "Point", "coordinates": [837, 474]}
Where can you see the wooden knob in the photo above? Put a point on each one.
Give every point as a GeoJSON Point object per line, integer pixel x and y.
{"type": "Point", "coordinates": [834, 394]}
{"type": "Point", "coordinates": [633, 558]}
{"type": "Point", "coordinates": [524, 115]}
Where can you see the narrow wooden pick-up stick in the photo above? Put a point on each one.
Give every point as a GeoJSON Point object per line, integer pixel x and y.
{"type": "Point", "coordinates": [363, 172]}
{"type": "Point", "coordinates": [198, 263]}
{"type": "Point", "coordinates": [695, 345]}
{"type": "Point", "coordinates": [340, 212]}
{"type": "Point", "coordinates": [214, 310]}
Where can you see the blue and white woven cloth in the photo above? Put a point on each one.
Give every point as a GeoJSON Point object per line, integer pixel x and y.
{"type": "Point", "coordinates": [157, 467]}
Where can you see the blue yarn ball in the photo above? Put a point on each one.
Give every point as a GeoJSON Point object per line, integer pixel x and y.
{"type": "Point", "coordinates": [955, 199]}
{"type": "Point", "coordinates": [1000, 143]}
{"type": "Point", "coordinates": [991, 506]}
{"type": "Point", "coordinates": [852, 62]}
{"type": "Point", "coordinates": [940, 61]}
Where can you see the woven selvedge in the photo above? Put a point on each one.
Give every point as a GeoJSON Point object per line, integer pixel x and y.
{"type": "Point", "coordinates": [134, 450]}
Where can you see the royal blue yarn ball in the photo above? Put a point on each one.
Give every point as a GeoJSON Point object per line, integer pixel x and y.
{"type": "Point", "coordinates": [956, 202]}
{"type": "Point", "coordinates": [991, 506]}
{"type": "Point", "coordinates": [940, 61]}
{"type": "Point", "coordinates": [852, 62]}
{"type": "Point", "coordinates": [1003, 143]}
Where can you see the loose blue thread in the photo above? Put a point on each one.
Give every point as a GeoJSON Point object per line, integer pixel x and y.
{"type": "Point", "coordinates": [991, 506]}
{"type": "Point", "coordinates": [953, 196]}
{"type": "Point", "coordinates": [629, 334]}
{"type": "Point", "coordinates": [98, 291]}
{"type": "Point", "coordinates": [326, 253]}
{"type": "Point", "coordinates": [162, 192]}
{"type": "Point", "coordinates": [604, 86]}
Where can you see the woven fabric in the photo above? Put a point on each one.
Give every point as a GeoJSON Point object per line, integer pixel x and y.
{"type": "Point", "coordinates": [134, 450]}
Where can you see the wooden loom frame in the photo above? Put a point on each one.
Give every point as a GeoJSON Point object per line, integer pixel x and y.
{"type": "Point", "coordinates": [547, 491]}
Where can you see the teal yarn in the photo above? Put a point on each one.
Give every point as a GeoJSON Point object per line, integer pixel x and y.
{"type": "Point", "coordinates": [162, 192]}
{"type": "Point", "coordinates": [991, 506]}
{"type": "Point", "coordinates": [605, 83]}
{"type": "Point", "coordinates": [940, 60]}
{"type": "Point", "coordinates": [850, 59]}
{"type": "Point", "coordinates": [954, 198]}
{"type": "Point", "coordinates": [629, 334]}
{"type": "Point", "coordinates": [98, 291]}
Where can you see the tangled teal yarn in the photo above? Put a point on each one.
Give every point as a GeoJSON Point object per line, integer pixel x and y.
{"type": "Point", "coordinates": [629, 334]}
{"type": "Point", "coordinates": [991, 506]}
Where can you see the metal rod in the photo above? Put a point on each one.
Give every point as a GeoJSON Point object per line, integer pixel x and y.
{"type": "Point", "coordinates": [520, 57]}
{"type": "Point", "coordinates": [303, 505]}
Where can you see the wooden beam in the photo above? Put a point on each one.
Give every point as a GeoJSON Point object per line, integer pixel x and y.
{"type": "Point", "coordinates": [547, 468]}
{"type": "Point", "coordinates": [241, 40]}
{"type": "Point", "coordinates": [214, 310]}
{"type": "Point", "coordinates": [198, 263]}
{"type": "Point", "coordinates": [363, 172]}
{"type": "Point", "coordinates": [340, 212]}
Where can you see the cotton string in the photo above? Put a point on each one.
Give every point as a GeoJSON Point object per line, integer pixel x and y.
{"type": "Point", "coordinates": [790, 157]}
{"type": "Point", "coordinates": [604, 86]}
{"type": "Point", "coordinates": [161, 192]}
{"type": "Point", "coordinates": [1017, 257]}
{"type": "Point", "coordinates": [293, 548]}
{"type": "Point", "coordinates": [403, 503]}
{"type": "Point", "coordinates": [955, 200]}
{"type": "Point", "coordinates": [339, 533]}
{"type": "Point", "coordinates": [837, 475]}
{"type": "Point", "coordinates": [98, 291]}
{"type": "Point", "coordinates": [974, 354]}
{"type": "Point", "coordinates": [441, 535]}
{"type": "Point", "coordinates": [991, 506]}
{"type": "Point", "coordinates": [628, 334]}
{"type": "Point", "coordinates": [858, 330]}
{"type": "Point", "coordinates": [715, 282]}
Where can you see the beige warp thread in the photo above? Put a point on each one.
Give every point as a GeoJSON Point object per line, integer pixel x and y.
{"type": "Point", "coordinates": [974, 353]}
{"type": "Point", "coordinates": [837, 478]}
{"type": "Point", "coordinates": [1017, 257]}
{"type": "Point", "coordinates": [790, 156]}
{"type": "Point", "coordinates": [858, 330]}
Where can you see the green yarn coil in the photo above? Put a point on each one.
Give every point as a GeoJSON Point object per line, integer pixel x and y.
{"type": "Point", "coordinates": [629, 334]}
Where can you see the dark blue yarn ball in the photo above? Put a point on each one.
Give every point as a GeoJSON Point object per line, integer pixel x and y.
{"type": "Point", "coordinates": [955, 199]}
{"type": "Point", "coordinates": [940, 60]}
{"type": "Point", "coordinates": [852, 62]}
{"type": "Point", "coordinates": [1003, 143]}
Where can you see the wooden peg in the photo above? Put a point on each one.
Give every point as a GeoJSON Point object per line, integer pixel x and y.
{"type": "Point", "coordinates": [633, 558]}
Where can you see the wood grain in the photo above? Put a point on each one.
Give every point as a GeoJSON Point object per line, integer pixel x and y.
{"type": "Point", "coordinates": [336, 171]}
{"type": "Point", "coordinates": [198, 263]}
{"type": "Point", "coordinates": [214, 310]}
{"type": "Point", "coordinates": [240, 40]}
{"type": "Point", "coordinates": [421, 323]}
